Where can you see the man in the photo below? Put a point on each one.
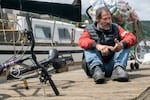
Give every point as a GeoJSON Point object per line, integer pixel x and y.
{"type": "Point", "coordinates": [106, 48]}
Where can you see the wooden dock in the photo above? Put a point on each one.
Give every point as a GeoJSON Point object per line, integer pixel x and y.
{"type": "Point", "coordinates": [75, 85]}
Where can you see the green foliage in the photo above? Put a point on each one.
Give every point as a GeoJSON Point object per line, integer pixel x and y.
{"type": "Point", "coordinates": [141, 32]}
{"type": "Point", "coordinates": [146, 28]}
{"type": "Point", "coordinates": [84, 17]}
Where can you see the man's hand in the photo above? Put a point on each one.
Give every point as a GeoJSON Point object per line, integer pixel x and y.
{"type": "Point", "coordinates": [104, 49]}
{"type": "Point", "coordinates": [118, 46]}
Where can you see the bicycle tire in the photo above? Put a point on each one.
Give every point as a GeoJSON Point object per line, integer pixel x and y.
{"type": "Point", "coordinates": [141, 48]}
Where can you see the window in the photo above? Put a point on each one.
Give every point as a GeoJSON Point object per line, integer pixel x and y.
{"type": "Point", "coordinates": [63, 34]}
{"type": "Point", "coordinates": [42, 32]}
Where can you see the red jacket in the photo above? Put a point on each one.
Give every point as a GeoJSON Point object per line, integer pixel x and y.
{"type": "Point", "coordinates": [126, 37]}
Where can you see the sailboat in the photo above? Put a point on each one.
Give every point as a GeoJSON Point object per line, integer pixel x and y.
{"type": "Point", "coordinates": [47, 33]}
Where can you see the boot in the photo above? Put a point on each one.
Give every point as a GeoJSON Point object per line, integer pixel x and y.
{"type": "Point", "coordinates": [119, 74]}
{"type": "Point", "coordinates": [98, 75]}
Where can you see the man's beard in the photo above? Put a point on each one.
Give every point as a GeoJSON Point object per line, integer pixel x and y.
{"type": "Point", "coordinates": [104, 27]}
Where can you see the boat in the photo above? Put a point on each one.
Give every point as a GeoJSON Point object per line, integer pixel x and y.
{"type": "Point", "coordinates": [47, 33]}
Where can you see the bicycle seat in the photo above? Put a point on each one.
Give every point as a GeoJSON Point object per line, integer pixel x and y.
{"type": "Point", "coordinates": [53, 54]}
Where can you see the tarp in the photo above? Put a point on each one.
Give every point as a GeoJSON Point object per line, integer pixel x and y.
{"type": "Point", "coordinates": [66, 11]}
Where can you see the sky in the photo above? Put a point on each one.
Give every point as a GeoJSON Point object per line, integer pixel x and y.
{"type": "Point", "coordinates": [141, 7]}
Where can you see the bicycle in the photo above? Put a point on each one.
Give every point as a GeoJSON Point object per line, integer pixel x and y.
{"type": "Point", "coordinates": [43, 66]}
{"type": "Point", "coordinates": [143, 45]}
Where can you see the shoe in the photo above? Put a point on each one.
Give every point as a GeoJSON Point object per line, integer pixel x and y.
{"type": "Point", "coordinates": [119, 74]}
{"type": "Point", "coordinates": [98, 75]}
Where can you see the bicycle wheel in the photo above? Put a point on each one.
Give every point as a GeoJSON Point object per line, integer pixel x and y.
{"type": "Point", "coordinates": [142, 48]}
